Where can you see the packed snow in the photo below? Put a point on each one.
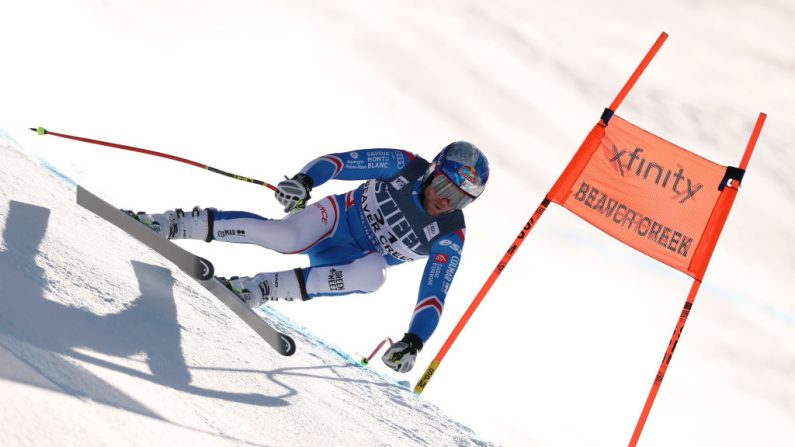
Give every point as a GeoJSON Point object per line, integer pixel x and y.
{"type": "Point", "coordinates": [103, 342]}
{"type": "Point", "coordinates": [114, 345]}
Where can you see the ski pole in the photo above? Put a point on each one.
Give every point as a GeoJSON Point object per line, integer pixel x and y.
{"type": "Point", "coordinates": [366, 360]}
{"type": "Point", "coordinates": [43, 131]}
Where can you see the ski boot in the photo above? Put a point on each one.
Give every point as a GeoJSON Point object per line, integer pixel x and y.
{"type": "Point", "coordinates": [176, 224]}
{"type": "Point", "coordinates": [235, 284]}
{"type": "Point", "coordinates": [146, 219]}
{"type": "Point", "coordinates": [267, 287]}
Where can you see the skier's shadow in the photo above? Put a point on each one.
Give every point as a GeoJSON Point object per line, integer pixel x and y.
{"type": "Point", "coordinates": [40, 339]}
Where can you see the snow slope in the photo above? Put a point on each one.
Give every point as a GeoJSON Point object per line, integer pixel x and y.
{"type": "Point", "coordinates": [104, 343]}
{"type": "Point", "coordinates": [565, 347]}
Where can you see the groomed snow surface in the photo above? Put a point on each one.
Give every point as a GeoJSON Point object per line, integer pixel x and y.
{"type": "Point", "coordinates": [122, 349]}
{"type": "Point", "coordinates": [104, 343]}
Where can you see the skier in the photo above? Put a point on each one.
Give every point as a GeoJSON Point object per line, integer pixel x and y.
{"type": "Point", "coordinates": [406, 209]}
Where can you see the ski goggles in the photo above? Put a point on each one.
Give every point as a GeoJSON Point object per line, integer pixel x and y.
{"type": "Point", "coordinates": [445, 188]}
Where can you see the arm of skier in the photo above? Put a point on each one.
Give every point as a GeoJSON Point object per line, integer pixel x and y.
{"type": "Point", "coordinates": [440, 269]}
{"type": "Point", "coordinates": [362, 164]}
{"type": "Point", "coordinates": [443, 261]}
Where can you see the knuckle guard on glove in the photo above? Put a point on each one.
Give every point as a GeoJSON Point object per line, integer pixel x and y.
{"type": "Point", "coordinates": [402, 355]}
{"type": "Point", "coordinates": [294, 193]}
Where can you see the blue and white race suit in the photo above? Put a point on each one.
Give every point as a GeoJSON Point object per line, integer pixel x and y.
{"type": "Point", "coordinates": [352, 238]}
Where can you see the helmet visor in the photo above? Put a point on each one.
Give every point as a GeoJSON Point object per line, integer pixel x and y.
{"type": "Point", "coordinates": [465, 166]}
{"type": "Point", "coordinates": [445, 188]}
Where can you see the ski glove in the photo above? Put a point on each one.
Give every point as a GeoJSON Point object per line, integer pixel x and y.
{"type": "Point", "coordinates": [294, 193]}
{"type": "Point", "coordinates": [401, 355]}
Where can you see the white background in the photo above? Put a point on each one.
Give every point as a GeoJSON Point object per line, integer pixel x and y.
{"type": "Point", "coordinates": [566, 345]}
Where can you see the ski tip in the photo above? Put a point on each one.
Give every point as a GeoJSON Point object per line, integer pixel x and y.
{"type": "Point", "coordinates": [288, 345]}
{"type": "Point", "coordinates": [204, 270]}
{"type": "Point", "coordinates": [39, 130]}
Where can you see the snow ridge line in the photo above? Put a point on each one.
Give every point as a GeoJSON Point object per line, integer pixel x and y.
{"type": "Point", "coordinates": [39, 160]}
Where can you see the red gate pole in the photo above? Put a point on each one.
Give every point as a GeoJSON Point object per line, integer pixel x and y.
{"type": "Point", "coordinates": [700, 260]}
{"type": "Point", "coordinates": [564, 182]}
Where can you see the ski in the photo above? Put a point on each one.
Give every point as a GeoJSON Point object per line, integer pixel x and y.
{"type": "Point", "coordinates": [197, 267]}
{"type": "Point", "coordinates": [282, 343]}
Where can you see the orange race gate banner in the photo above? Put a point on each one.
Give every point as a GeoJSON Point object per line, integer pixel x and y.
{"type": "Point", "coordinates": [644, 191]}
{"type": "Point", "coordinates": [648, 193]}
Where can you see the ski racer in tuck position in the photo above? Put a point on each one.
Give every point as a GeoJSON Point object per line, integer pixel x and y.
{"type": "Point", "coordinates": [406, 209]}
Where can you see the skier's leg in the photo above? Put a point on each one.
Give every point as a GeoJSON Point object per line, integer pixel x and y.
{"type": "Point", "coordinates": [294, 233]}
{"type": "Point", "coordinates": [177, 224]}
{"type": "Point", "coordinates": [270, 286]}
{"type": "Point", "coordinates": [364, 275]}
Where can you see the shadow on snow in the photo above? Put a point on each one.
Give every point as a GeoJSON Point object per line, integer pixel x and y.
{"type": "Point", "coordinates": [39, 338]}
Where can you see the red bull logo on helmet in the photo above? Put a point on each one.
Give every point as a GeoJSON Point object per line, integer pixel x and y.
{"type": "Point", "coordinates": [469, 174]}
